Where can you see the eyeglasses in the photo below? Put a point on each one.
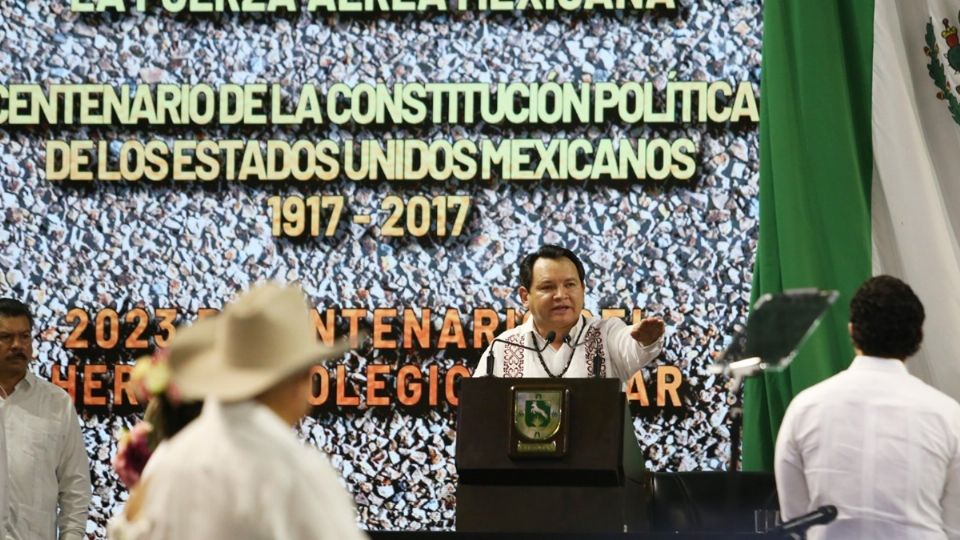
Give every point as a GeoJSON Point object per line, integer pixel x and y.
{"type": "Point", "coordinates": [7, 338]}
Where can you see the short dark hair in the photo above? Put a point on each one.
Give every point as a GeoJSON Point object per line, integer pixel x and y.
{"type": "Point", "coordinates": [547, 251]}
{"type": "Point", "coordinates": [886, 318]}
{"type": "Point", "coordinates": [11, 307]}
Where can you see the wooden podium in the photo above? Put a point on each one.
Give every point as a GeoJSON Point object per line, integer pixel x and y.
{"type": "Point", "coordinates": [518, 473]}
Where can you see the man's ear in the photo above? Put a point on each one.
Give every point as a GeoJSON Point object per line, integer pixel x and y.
{"type": "Point", "coordinates": [856, 348]}
{"type": "Point", "coordinates": [524, 297]}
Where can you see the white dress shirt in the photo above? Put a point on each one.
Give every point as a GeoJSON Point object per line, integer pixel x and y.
{"type": "Point", "coordinates": [880, 445]}
{"type": "Point", "coordinates": [610, 339]}
{"type": "Point", "coordinates": [238, 471]}
{"type": "Point", "coordinates": [47, 464]}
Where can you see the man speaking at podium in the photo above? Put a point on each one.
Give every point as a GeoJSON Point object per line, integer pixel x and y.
{"type": "Point", "coordinates": [557, 340]}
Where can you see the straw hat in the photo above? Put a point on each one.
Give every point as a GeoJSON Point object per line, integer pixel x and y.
{"type": "Point", "coordinates": [264, 336]}
{"type": "Point", "coordinates": [193, 345]}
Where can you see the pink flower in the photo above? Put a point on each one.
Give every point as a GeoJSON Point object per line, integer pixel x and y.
{"type": "Point", "coordinates": [133, 452]}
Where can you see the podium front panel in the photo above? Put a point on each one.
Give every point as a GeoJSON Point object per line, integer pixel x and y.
{"type": "Point", "coordinates": [594, 436]}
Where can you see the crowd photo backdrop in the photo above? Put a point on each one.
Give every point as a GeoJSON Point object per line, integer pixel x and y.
{"type": "Point", "coordinates": [420, 269]}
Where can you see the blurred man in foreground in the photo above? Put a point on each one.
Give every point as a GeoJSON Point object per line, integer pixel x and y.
{"type": "Point", "coordinates": [875, 441]}
{"type": "Point", "coordinates": [239, 470]}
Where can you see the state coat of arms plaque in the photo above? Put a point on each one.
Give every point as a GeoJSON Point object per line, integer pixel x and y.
{"type": "Point", "coordinates": [539, 424]}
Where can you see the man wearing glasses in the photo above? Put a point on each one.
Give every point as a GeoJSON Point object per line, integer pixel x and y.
{"type": "Point", "coordinates": [47, 465]}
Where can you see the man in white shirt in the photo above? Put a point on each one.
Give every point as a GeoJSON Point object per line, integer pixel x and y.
{"type": "Point", "coordinates": [873, 440]}
{"type": "Point", "coordinates": [239, 470]}
{"type": "Point", "coordinates": [552, 290]}
{"type": "Point", "coordinates": [47, 464]}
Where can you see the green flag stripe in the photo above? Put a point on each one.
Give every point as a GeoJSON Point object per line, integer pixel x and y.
{"type": "Point", "coordinates": [815, 175]}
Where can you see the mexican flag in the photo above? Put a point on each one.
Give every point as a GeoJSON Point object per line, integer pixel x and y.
{"type": "Point", "coordinates": [859, 175]}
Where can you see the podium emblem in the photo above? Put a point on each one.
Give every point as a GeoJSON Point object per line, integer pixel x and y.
{"type": "Point", "coordinates": [538, 422]}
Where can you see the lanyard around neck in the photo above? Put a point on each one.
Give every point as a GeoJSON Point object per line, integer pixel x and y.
{"type": "Point", "coordinates": [573, 347]}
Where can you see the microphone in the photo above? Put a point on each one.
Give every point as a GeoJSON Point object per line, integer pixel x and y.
{"type": "Point", "coordinates": [821, 516]}
{"type": "Point", "coordinates": [551, 335]}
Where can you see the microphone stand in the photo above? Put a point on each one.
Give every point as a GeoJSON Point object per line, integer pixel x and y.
{"type": "Point", "coordinates": [778, 324]}
{"type": "Point", "coordinates": [737, 371]}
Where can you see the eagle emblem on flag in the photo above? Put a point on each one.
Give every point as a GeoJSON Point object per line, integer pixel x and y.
{"type": "Point", "coordinates": [935, 67]}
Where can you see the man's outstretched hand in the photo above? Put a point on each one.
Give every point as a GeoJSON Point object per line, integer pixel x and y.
{"type": "Point", "coordinates": [648, 330]}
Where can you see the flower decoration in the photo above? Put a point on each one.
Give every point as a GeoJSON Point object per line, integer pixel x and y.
{"type": "Point", "coordinates": [150, 378]}
{"type": "Point", "coordinates": [151, 375]}
{"type": "Point", "coordinates": [133, 451]}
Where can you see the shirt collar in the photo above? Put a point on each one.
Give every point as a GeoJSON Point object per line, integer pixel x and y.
{"type": "Point", "coordinates": [26, 383]}
{"type": "Point", "coordinates": [572, 335]}
{"type": "Point", "coordinates": [22, 387]}
{"type": "Point", "coordinates": [875, 363]}
{"type": "Point", "coordinates": [248, 411]}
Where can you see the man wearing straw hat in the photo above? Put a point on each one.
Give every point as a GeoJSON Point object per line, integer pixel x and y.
{"type": "Point", "coordinates": [169, 411]}
{"type": "Point", "coordinates": [239, 471]}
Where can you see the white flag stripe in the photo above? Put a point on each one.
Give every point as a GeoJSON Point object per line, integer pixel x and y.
{"type": "Point", "coordinates": [916, 183]}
